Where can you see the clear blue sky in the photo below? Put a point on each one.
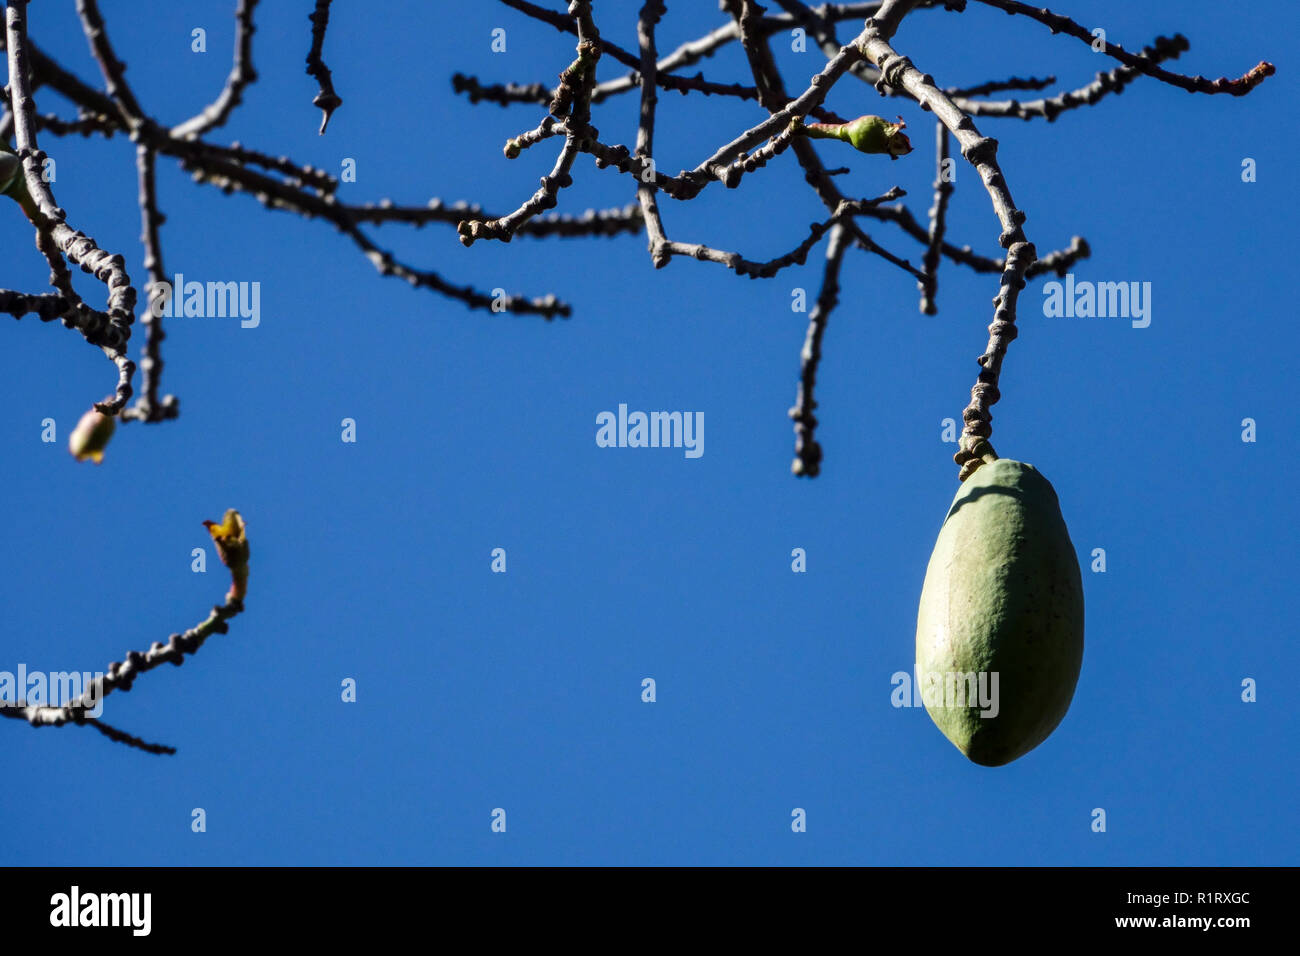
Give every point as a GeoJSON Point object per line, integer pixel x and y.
{"type": "Point", "coordinates": [477, 431]}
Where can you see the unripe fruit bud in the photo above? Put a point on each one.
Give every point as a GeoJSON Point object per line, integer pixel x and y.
{"type": "Point", "coordinates": [10, 166]}
{"type": "Point", "coordinates": [90, 437]}
{"type": "Point", "coordinates": [866, 134]}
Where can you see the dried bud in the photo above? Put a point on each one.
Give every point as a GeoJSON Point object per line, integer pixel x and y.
{"type": "Point", "coordinates": [232, 547]}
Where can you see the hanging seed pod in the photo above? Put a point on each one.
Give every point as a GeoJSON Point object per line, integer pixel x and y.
{"type": "Point", "coordinates": [1001, 616]}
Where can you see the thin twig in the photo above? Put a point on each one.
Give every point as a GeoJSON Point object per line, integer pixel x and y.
{"type": "Point", "coordinates": [1192, 84]}
{"type": "Point", "coordinates": [997, 86]}
{"type": "Point", "coordinates": [571, 103]}
{"type": "Point", "coordinates": [113, 69]}
{"type": "Point", "coordinates": [326, 99]}
{"type": "Point", "coordinates": [1106, 83]}
{"type": "Point", "coordinates": [242, 73]}
{"type": "Point", "coordinates": [148, 408]}
{"type": "Point", "coordinates": [232, 547]}
{"type": "Point", "coordinates": [53, 231]}
{"type": "Point", "coordinates": [798, 255]}
{"type": "Point", "coordinates": [938, 220]}
{"type": "Point", "coordinates": [660, 255]}
{"type": "Point", "coordinates": [981, 152]}
{"type": "Point", "coordinates": [807, 450]}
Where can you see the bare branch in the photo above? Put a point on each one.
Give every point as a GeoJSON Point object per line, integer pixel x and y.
{"type": "Point", "coordinates": [121, 675]}
{"type": "Point", "coordinates": [1192, 84]}
{"type": "Point", "coordinates": [241, 75]}
{"type": "Point", "coordinates": [284, 184]}
{"type": "Point", "coordinates": [651, 12]}
{"type": "Point", "coordinates": [572, 101]}
{"type": "Point", "coordinates": [1114, 81]}
{"type": "Point", "coordinates": [981, 152]}
{"type": "Point", "coordinates": [55, 237]}
{"type": "Point", "coordinates": [807, 450]}
{"type": "Point", "coordinates": [799, 254]}
{"type": "Point", "coordinates": [995, 86]}
{"type": "Point", "coordinates": [148, 408]}
{"type": "Point", "coordinates": [938, 219]}
{"type": "Point", "coordinates": [112, 69]}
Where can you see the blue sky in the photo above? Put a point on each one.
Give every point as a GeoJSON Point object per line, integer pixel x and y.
{"type": "Point", "coordinates": [475, 431]}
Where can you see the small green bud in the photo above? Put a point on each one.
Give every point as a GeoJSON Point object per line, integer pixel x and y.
{"type": "Point", "coordinates": [867, 134]}
{"type": "Point", "coordinates": [10, 166]}
{"type": "Point", "coordinates": [13, 183]}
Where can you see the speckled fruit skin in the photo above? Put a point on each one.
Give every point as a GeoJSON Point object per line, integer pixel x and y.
{"type": "Point", "coordinates": [1003, 594]}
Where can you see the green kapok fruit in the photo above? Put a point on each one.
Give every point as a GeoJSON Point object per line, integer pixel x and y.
{"type": "Point", "coordinates": [999, 635]}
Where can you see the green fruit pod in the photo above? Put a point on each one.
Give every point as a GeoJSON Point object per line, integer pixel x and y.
{"type": "Point", "coordinates": [10, 169]}
{"type": "Point", "coordinates": [999, 634]}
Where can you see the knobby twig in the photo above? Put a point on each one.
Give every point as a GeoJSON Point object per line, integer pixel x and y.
{"type": "Point", "coordinates": [1143, 64]}
{"type": "Point", "coordinates": [56, 239]}
{"type": "Point", "coordinates": [232, 545]}
{"type": "Point", "coordinates": [807, 451]}
{"type": "Point", "coordinates": [981, 152]}
{"type": "Point", "coordinates": [241, 75]}
{"type": "Point", "coordinates": [327, 100]}
{"type": "Point", "coordinates": [147, 407]}
{"type": "Point", "coordinates": [943, 189]}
